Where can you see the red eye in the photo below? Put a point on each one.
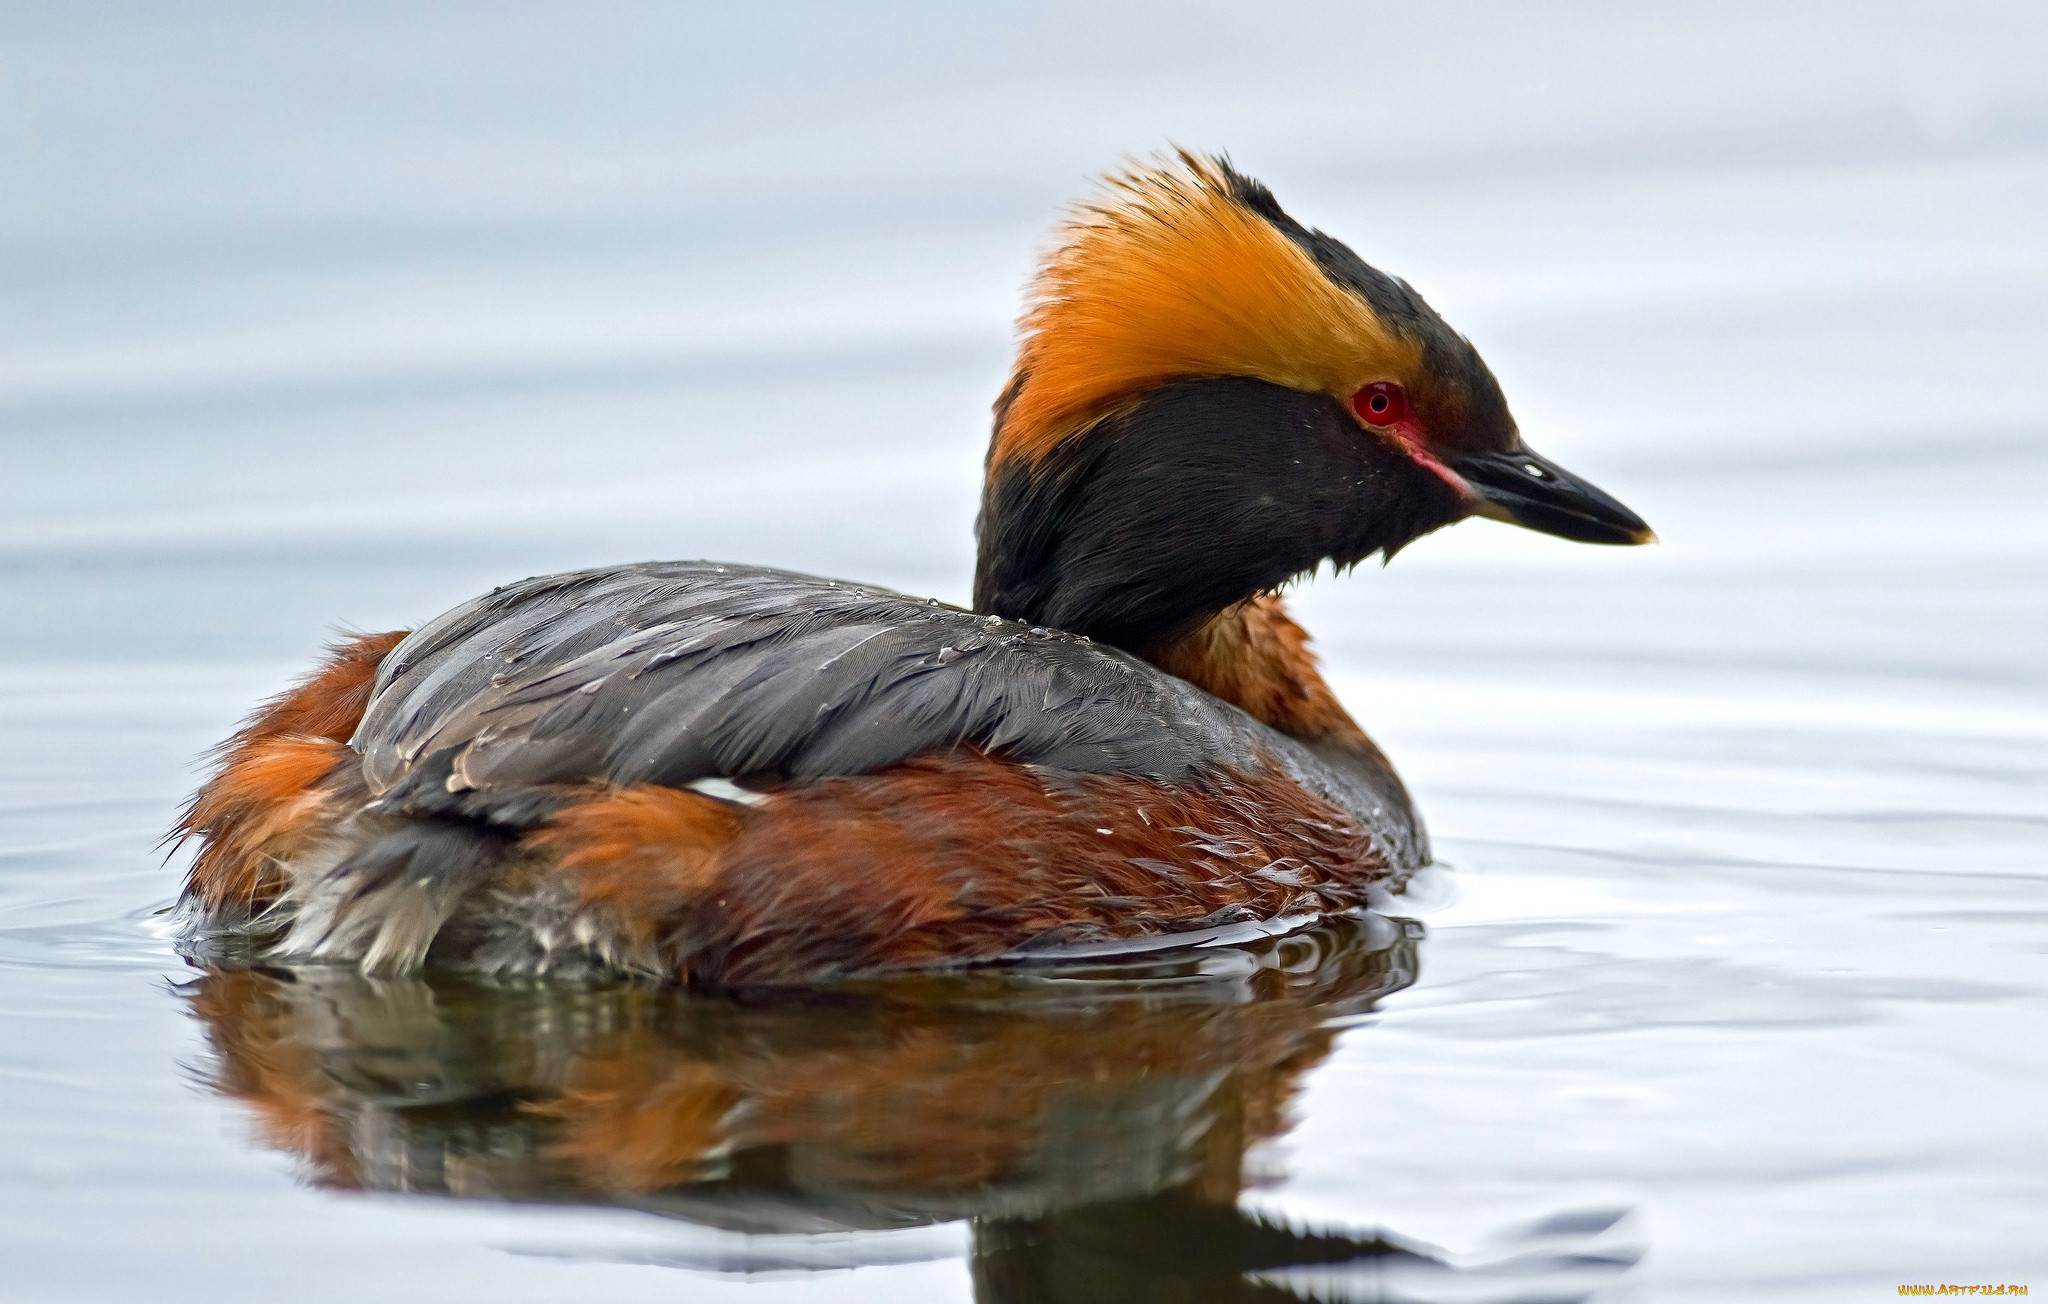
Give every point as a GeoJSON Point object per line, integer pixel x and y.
{"type": "Point", "coordinates": [1382, 403]}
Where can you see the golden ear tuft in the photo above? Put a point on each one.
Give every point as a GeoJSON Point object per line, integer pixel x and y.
{"type": "Point", "coordinates": [1167, 273]}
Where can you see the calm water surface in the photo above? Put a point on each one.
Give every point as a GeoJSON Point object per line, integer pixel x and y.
{"type": "Point", "coordinates": [1732, 984]}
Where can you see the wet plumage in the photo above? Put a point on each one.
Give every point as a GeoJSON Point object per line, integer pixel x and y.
{"type": "Point", "coordinates": [734, 775]}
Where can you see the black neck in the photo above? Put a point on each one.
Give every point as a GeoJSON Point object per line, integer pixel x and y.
{"type": "Point", "coordinates": [1204, 493]}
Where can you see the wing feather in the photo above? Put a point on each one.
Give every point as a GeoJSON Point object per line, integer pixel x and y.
{"type": "Point", "coordinates": [675, 672]}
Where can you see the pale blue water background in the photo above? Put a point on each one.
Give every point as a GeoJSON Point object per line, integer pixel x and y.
{"type": "Point", "coordinates": [324, 313]}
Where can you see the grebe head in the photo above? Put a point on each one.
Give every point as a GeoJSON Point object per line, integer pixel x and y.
{"type": "Point", "coordinates": [1211, 398]}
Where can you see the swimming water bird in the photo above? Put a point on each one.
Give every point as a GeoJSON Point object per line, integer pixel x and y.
{"type": "Point", "coordinates": [731, 775]}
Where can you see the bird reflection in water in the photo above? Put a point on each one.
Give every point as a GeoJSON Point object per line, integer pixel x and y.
{"type": "Point", "coordinates": [1091, 1121]}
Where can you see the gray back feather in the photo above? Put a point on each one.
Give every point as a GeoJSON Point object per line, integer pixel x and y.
{"type": "Point", "coordinates": [671, 672]}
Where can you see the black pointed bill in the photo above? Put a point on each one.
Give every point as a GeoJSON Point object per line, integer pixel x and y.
{"type": "Point", "coordinates": [1538, 494]}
